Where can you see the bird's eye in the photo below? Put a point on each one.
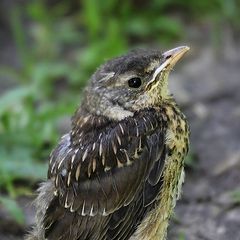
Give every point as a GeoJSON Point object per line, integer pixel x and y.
{"type": "Point", "coordinates": [134, 82]}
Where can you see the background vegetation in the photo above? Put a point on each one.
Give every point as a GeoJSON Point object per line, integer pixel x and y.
{"type": "Point", "coordinates": [59, 44]}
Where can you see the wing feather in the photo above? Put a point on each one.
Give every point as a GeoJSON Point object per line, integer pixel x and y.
{"type": "Point", "coordinates": [115, 174]}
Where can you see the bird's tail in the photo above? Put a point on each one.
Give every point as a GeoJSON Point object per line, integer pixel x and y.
{"type": "Point", "coordinates": [31, 236]}
{"type": "Point", "coordinates": [45, 195]}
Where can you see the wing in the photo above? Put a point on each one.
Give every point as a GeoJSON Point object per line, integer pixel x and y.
{"type": "Point", "coordinates": [125, 221]}
{"type": "Point", "coordinates": [106, 173]}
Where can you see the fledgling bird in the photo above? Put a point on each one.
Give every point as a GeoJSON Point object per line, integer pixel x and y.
{"type": "Point", "coordinates": [117, 174]}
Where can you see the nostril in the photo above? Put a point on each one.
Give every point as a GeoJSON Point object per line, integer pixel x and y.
{"type": "Point", "coordinates": [168, 56]}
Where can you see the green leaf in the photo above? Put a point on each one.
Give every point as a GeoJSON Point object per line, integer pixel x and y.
{"type": "Point", "coordinates": [235, 195]}
{"type": "Point", "coordinates": [13, 208]}
{"type": "Point", "coordinates": [181, 236]}
{"type": "Point", "coordinates": [190, 160]}
{"type": "Point", "coordinates": [13, 97]}
{"type": "Point", "coordinates": [19, 163]}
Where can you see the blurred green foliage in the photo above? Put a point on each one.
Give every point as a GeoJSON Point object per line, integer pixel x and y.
{"type": "Point", "coordinates": [13, 208]}
{"type": "Point", "coordinates": [181, 236]}
{"type": "Point", "coordinates": [235, 196]}
{"type": "Point", "coordinates": [59, 44]}
{"type": "Point", "coordinates": [191, 160]}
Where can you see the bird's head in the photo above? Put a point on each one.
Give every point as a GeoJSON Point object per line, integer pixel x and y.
{"type": "Point", "coordinates": [131, 82]}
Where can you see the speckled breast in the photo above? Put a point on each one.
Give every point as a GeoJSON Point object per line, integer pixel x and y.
{"type": "Point", "coordinates": [154, 226]}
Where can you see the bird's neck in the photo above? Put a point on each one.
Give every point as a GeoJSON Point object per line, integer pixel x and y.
{"type": "Point", "coordinates": [96, 103]}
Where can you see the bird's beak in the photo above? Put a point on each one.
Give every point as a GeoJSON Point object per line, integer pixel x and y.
{"type": "Point", "coordinates": [170, 58]}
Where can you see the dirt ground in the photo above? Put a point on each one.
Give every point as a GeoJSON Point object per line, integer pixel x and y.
{"type": "Point", "coordinates": [207, 86]}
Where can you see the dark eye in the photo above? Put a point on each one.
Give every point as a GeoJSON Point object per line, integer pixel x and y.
{"type": "Point", "coordinates": [134, 82]}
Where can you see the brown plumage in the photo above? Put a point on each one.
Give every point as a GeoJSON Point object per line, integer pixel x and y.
{"type": "Point", "coordinates": [118, 172]}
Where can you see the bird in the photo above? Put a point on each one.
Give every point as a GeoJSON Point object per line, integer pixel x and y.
{"type": "Point", "coordinates": [118, 172]}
